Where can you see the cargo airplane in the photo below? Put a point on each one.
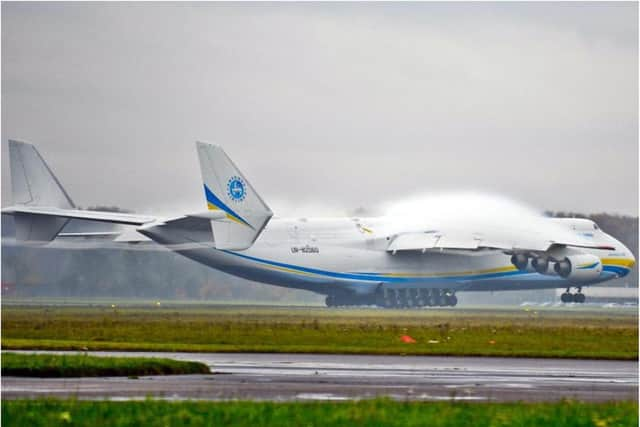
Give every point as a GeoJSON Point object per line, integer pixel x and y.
{"type": "Point", "coordinates": [384, 261]}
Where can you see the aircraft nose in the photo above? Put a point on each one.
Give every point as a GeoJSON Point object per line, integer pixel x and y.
{"type": "Point", "coordinates": [628, 255]}
{"type": "Point", "coordinates": [632, 259]}
{"type": "Point", "coordinates": [628, 260]}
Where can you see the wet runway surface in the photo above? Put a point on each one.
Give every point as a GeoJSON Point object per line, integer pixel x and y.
{"type": "Point", "coordinates": [283, 377]}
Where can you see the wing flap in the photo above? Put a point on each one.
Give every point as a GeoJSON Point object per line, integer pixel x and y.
{"type": "Point", "coordinates": [428, 241]}
{"type": "Point", "coordinates": [413, 242]}
{"type": "Point", "coordinates": [432, 240]}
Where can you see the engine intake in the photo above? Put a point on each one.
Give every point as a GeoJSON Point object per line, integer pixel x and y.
{"type": "Point", "coordinates": [521, 261]}
{"type": "Point", "coordinates": [579, 268]}
{"type": "Point", "coordinates": [541, 265]}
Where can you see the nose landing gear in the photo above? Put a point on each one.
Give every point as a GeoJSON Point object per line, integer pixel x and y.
{"type": "Point", "coordinates": [568, 297]}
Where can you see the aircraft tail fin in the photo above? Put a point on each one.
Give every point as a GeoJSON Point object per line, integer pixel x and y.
{"type": "Point", "coordinates": [229, 192]}
{"type": "Point", "coordinates": [33, 184]}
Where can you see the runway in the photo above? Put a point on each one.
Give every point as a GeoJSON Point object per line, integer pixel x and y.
{"type": "Point", "coordinates": [300, 377]}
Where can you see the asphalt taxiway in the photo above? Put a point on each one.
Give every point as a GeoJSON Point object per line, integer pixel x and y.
{"type": "Point", "coordinates": [284, 377]}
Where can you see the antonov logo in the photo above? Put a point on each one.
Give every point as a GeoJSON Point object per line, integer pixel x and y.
{"type": "Point", "coordinates": [236, 189]}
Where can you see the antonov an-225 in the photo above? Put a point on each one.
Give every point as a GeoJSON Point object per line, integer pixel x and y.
{"type": "Point", "coordinates": [386, 261]}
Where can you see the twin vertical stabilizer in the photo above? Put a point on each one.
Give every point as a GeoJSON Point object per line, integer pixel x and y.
{"type": "Point", "coordinates": [42, 207]}
{"type": "Point", "coordinates": [243, 213]}
{"type": "Point", "coordinates": [33, 184]}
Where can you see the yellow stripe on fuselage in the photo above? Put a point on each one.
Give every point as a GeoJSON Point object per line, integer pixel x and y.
{"type": "Point", "coordinates": [623, 262]}
{"type": "Point", "coordinates": [288, 270]}
{"type": "Point", "coordinates": [455, 273]}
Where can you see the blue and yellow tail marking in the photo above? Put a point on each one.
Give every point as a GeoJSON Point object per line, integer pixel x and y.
{"type": "Point", "coordinates": [214, 203]}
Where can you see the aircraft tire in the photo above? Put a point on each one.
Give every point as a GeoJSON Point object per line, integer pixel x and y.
{"type": "Point", "coordinates": [443, 301]}
{"type": "Point", "coordinates": [579, 298]}
{"type": "Point", "coordinates": [412, 298]}
{"type": "Point", "coordinates": [452, 300]}
{"type": "Point", "coordinates": [432, 300]}
{"type": "Point", "coordinates": [390, 298]}
{"type": "Point", "coordinates": [566, 298]}
{"type": "Point", "coordinates": [402, 298]}
{"type": "Point", "coordinates": [423, 297]}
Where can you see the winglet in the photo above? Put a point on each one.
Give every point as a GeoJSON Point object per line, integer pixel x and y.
{"type": "Point", "coordinates": [227, 190]}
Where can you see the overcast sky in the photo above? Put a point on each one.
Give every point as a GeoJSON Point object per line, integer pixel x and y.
{"type": "Point", "coordinates": [328, 104]}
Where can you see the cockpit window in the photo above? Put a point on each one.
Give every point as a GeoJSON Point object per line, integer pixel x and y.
{"type": "Point", "coordinates": [595, 226]}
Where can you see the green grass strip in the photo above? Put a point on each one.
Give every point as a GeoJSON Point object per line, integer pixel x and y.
{"type": "Point", "coordinates": [516, 333]}
{"type": "Point", "coordinates": [364, 413]}
{"type": "Point", "coordinates": [52, 365]}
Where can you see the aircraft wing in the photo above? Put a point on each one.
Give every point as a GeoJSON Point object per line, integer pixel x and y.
{"type": "Point", "coordinates": [457, 240]}
{"type": "Point", "coordinates": [113, 217]}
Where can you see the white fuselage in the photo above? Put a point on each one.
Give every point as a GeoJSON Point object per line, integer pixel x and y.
{"type": "Point", "coordinates": [420, 256]}
{"type": "Point", "coordinates": [346, 254]}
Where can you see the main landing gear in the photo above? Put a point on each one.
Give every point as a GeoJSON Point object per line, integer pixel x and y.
{"type": "Point", "coordinates": [396, 298]}
{"type": "Point", "coordinates": [410, 298]}
{"type": "Point", "coordinates": [348, 300]}
{"type": "Point", "coordinates": [568, 297]}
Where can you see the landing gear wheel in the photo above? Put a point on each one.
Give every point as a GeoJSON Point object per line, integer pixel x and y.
{"type": "Point", "coordinates": [390, 299]}
{"type": "Point", "coordinates": [452, 300]}
{"type": "Point", "coordinates": [443, 300]}
{"type": "Point", "coordinates": [412, 298]}
{"type": "Point", "coordinates": [402, 298]}
{"type": "Point", "coordinates": [579, 298]}
{"type": "Point", "coordinates": [566, 298]}
{"type": "Point", "coordinates": [423, 297]}
{"type": "Point", "coordinates": [432, 300]}
{"type": "Point", "coordinates": [330, 301]}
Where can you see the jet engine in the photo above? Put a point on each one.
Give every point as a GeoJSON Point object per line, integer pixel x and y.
{"type": "Point", "coordinates": [579, 268]}
{"type": "Point", "coordinates": [541, 265]}
{"type": "Point", "coordinates": [521, 261]}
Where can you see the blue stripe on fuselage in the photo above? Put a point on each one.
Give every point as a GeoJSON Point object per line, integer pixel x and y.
{"type": "Point", "coordinates": [374, 277]}
{"type": "Point", "coordinates": [620, 271]}
{"type": "Point", "coordinates": [381, 277]}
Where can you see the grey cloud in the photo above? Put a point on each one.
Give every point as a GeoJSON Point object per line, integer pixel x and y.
{"type": "Point", "coordinates": [346, 104]}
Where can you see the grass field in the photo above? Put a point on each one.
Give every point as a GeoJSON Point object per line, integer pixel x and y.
{"type": "Point", "coordinates": [517, 332]}
{"type": "Point", "coordinates": [49, 365]}
{"type": "Point", "coordinates": [364, 413]}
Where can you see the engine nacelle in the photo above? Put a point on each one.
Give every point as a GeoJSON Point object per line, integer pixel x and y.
{"type": "Point", "coordinates": [579, 268]}
{"type": "Point", "coordinates": [542, 265]}
{"type": "Point", "coordinates": [521, 261]}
